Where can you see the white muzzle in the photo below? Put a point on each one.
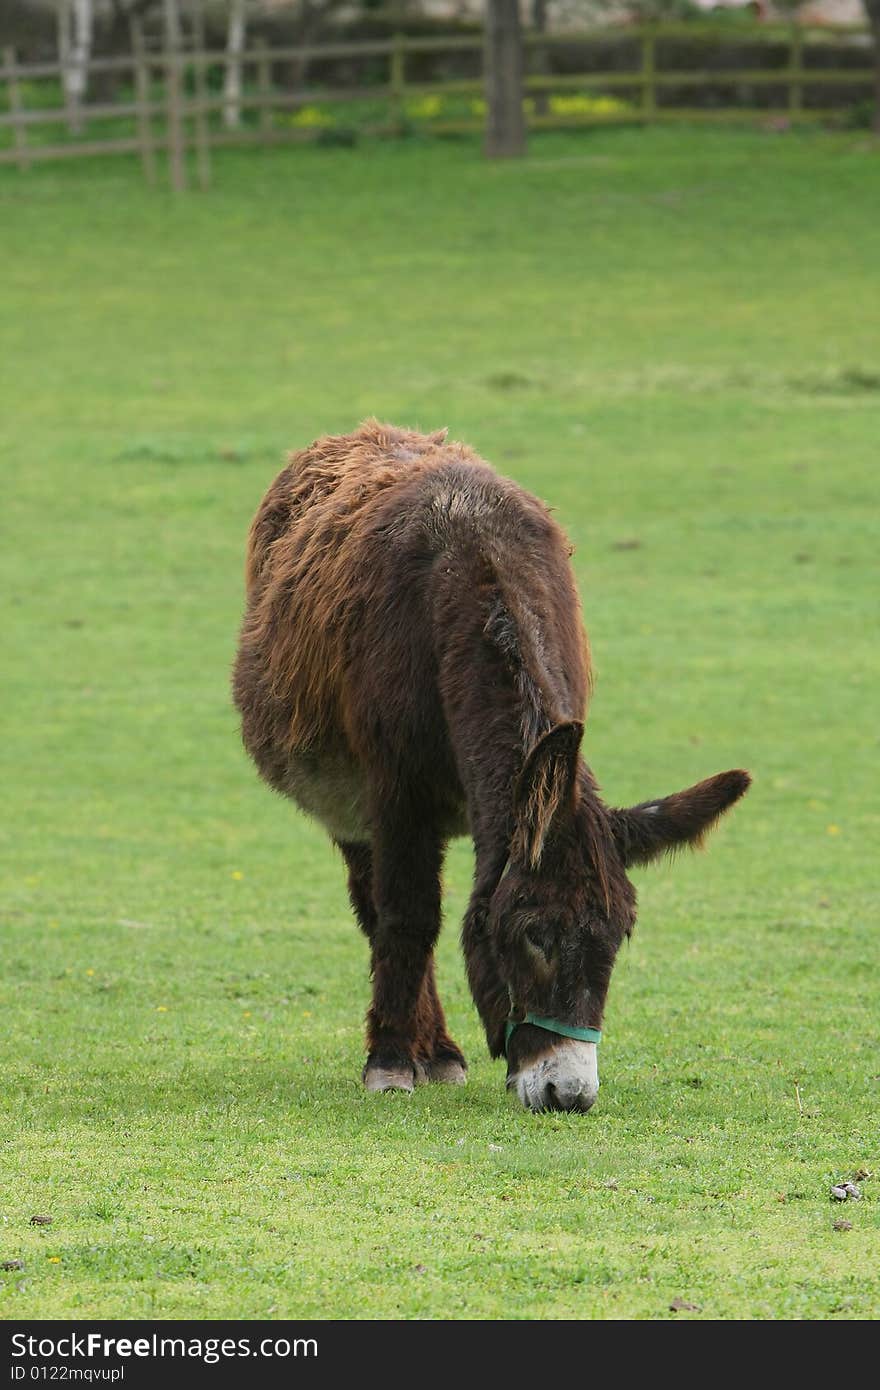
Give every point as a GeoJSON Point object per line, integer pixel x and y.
{"type": "Point", "coordinates": [565, 1077]}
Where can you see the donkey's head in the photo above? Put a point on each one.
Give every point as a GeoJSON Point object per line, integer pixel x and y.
{"type": "Point", "coordinates": [564, 905]}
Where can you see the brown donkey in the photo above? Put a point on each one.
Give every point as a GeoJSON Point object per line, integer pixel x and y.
{"type": "Point", "coordinates": [413, 666]}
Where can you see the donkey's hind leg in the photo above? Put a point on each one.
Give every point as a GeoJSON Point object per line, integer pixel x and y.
{"type": "Point", "coordinates": [434, 1055]}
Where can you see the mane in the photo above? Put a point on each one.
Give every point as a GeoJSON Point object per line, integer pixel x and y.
{"type": "Point", "coordinates": [596, 836]}
{"type": "Point", "coordinates": [515, 631]}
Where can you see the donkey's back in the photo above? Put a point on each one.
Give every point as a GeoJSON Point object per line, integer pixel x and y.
{"type": "Point", "coordinates": [377, 565]}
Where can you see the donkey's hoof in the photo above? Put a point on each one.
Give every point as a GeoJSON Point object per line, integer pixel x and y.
{"type": "Point", "coordinates": [389, 1078]}
{"type": "Point", "coordinates": [448, 1070]}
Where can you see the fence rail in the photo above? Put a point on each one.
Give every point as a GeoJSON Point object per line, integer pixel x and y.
{"type": "Point", "coordinates": [178, 115]}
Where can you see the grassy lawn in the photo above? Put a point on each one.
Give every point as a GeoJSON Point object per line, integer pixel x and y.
{"type": "Point", "coordinates": [672, 337]}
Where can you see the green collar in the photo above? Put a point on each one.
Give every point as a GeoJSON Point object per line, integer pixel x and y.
{"type": "Point", "coordinates": [592, 1035]}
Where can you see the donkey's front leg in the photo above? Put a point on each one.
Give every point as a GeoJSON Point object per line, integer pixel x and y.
{"type": "Point", "coordinates": [487, 989]}
{"type": "Point", "coordinates": [406, 888]}
{"type": "Point", "coordinates": [439, 1056]}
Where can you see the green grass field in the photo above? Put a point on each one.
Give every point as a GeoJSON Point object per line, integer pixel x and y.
{"type": "Point", "coordinates": [670, 336]}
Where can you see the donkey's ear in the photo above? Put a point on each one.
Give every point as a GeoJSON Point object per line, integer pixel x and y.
{"type": "Point", "coordinates": [544, 792]}
{"type": "Point", "coordinates": [685, 818]}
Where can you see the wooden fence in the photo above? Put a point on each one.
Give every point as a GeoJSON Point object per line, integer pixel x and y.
{"type": "Point", "coordinates": [172, 107]}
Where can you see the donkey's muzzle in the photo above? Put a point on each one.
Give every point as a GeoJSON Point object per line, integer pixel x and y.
{"type": "Point", "coordinates": [557, 1097]}
{"type": "Point", "coordinates": [566, 1077]}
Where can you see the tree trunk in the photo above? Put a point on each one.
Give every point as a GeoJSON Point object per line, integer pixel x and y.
{"type": "Point", "coordinates": [872, 10]}
{"type": "Point", "coordinates": [234, 50]}
{"type": "Point", "coordinates": [174, 89]}
{"type": "Point", "coordinates": [64, 42]}
{"type": "Point", "coordinates": [505, 128]}
{"type": "Point", "coordinates": [75, 41]}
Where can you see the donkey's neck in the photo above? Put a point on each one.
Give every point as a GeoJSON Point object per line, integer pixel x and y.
{"type": "Point", "coordinates": [499, 702]}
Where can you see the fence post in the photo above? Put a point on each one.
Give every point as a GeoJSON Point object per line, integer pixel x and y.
{"type": "Point", "coordinates": [203, 141]}
{"type": "Point", "coordinates": [795, 70]}
{"type": "Point", "coordinates": [16, 109]}
{"type": "Point", "coordinates": [142, 92]}
{"type": "Point", "coordinates": [649, 69]}
{"type": "Point", "coordinates": [397, 81]}
{"type": "Point", "coordinates": [264, 84]}
{"type": "Point", "coordinates": [174, 92]}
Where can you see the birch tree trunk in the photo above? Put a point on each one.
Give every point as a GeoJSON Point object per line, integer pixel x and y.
{"type": "Point", "coordinates": [872, 9]}
{"type": "Point", "coordinates": [174, 83]}
{"type": "Point", "coordinates": [234, 50]}
{"type": "Point", "coordinates": [75, 25]}
{"type": "Point", "coordinates": [62, 15]}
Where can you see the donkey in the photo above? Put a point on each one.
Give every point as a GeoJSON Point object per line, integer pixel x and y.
{"type": "Point", "coordinates": [412, 666]}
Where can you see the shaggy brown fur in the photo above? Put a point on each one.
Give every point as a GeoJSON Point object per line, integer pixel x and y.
{"type": "Point", "coordinates": [412, 666]}
{"type": "Point", "coordinates": [309, 564]}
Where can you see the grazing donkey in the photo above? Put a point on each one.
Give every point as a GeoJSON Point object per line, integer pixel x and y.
{"type": "Point", "coordinates": [412, 666]}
